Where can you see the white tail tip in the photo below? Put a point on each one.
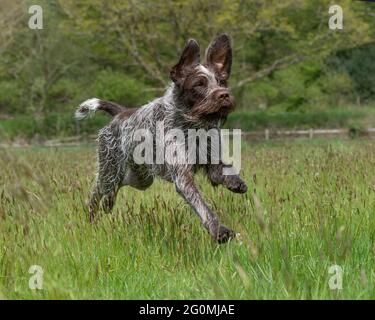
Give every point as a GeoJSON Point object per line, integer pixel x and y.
{"type": "Point", "coordinates": [87, 108]}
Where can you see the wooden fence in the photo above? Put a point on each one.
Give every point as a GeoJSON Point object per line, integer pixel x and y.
{"type": "Point", "coordinates": [308, 134]}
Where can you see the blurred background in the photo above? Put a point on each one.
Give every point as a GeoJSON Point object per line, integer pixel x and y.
{"type": "Point", "coordinates": [289, 71]}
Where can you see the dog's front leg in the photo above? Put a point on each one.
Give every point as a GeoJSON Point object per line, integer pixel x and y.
{"type": "Point", "coordinates": [232, 182]}
{"type": "Point", "coordinates": [186, 187]}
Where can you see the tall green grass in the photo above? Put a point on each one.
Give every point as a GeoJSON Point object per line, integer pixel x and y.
{"type": "Point", "coordinates": [309, 206]}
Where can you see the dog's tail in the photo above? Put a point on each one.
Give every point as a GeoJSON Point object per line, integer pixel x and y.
{"type": "Point", "coordinates": [90, 106]}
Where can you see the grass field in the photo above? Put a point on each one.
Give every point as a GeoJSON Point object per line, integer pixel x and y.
{"type": "Point", "coordinates": [313, 207]}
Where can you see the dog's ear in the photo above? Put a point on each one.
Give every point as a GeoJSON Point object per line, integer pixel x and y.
{"type": "Point", "coordinates": [219, 56]}
{"type": "Point", "coordinates": [189, 59]}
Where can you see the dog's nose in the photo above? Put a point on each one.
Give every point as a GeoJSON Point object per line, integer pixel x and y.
{"type": "Point", "coordinates": [224, 96]}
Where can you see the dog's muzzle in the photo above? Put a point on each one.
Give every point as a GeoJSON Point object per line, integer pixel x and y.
{"type": "Point", "coordinates": [224, 100]}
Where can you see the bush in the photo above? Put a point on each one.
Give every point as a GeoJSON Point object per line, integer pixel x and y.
{"type": "Point", "coordinates": [10, 97]}
{"type": "Point", "coordinates": [258, 120]}
{"type": "Point", "coordinates": [118, 87]}
{"type": "Point", "coordinates": [65, 90]}
{"type": "Point", "coordinates": [63, 124]}
{"type": "Point", "coordinates": [358, 63]}
{"type": "Point", "coordinates": [50, 126]}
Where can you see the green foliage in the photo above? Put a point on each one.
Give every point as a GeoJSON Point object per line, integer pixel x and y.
{"type": "Point", "coordinates": [65, 90]}
{"type": "Point", "coordinates": [53, 125]}
{"type": "Point", "coordinates": [333, 118]}
{"type": "Point", "coordinates": [358, 64]}
{"type": "Point", "coordinates": [308, 86]}
{"type": "Point", "coordinates": [285, 57]}
{"type": "Point", "coordinates": [50, 125]}
{"type": "Point", "coordinates": [119, 87]}
{"type": "Point", "coordinates": [10, 96]}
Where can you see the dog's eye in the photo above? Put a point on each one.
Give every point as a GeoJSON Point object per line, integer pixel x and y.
{"type": "Point", "coordinates": [222, 83]}
{"type": "Point", "coordinates": [200, 83]}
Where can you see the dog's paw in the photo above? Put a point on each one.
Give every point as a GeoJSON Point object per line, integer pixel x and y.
{"type": "Point", "coordinates": [224, 234]}
{"type": "Point", "coordinates": [237, 186]}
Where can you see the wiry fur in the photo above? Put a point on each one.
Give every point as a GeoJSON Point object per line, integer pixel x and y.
{"type": "Point", "coordinates": [184, 107]}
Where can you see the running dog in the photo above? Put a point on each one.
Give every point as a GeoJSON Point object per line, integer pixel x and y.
{"type": "Point", "coordinates": [197, 98]}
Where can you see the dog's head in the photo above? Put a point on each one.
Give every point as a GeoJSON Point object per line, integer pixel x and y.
{"type": "Point", "coordinates": [202, 87]}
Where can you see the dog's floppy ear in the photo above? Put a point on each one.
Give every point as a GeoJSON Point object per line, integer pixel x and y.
{"type": "Point", "coordinates": [189, 59]}
{"type": "Point", "coordinates": [219, 56]}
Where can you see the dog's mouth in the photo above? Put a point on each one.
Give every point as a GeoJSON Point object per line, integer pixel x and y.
{"type": "Point", "coordinates": [222, 113]}
{"type": "Point", "coordinates": [211, 110]}
{"type": "Point", "coordinates": [226, 108]}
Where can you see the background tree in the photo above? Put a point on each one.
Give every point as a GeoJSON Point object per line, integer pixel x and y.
{"type": "Point", "coordinates": [285, 56]}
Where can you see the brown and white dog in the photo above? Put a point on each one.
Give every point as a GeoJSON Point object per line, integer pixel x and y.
{"type": "Point", "coordinates": [198, 98]}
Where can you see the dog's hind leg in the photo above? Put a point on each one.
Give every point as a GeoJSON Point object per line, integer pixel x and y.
{"type": "Point", "coordinates": [110, 174]}
{"type": "Point", "coordinates": [109, 200]}
{"type": "Point", "coordinates": [103, 196]}
{"type": "Point", "coordinates": [94, 201]}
